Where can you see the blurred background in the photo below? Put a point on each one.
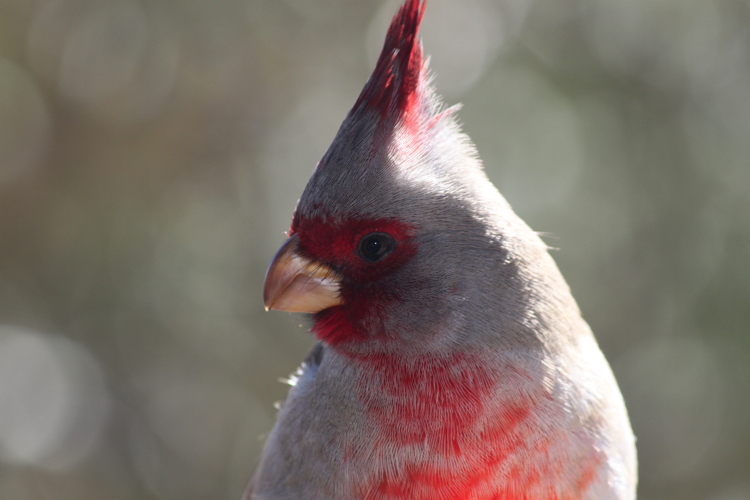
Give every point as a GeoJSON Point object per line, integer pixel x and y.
{"type": "Point", "coordinates": [151, 154]}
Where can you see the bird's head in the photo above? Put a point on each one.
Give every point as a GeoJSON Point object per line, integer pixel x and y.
{"type": "Point", "coordinates": [388, 239]}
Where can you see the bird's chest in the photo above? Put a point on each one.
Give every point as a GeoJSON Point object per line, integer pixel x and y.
{"type": "Point", "coordinates": [439, 428]}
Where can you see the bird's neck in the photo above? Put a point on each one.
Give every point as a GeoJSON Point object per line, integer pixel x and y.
{"type": "Point", "coordinates": [430, 400]}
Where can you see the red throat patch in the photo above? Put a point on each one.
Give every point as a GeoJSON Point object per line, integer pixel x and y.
{"type": "Point", "coordinates": [394, 87]}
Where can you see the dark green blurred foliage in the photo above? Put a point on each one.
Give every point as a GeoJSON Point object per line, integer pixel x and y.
{"type": "Point", "coordinates": [151, 154]}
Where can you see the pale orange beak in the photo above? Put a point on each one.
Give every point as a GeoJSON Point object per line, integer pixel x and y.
{"type": "Point", "coordinates": [297, 284]}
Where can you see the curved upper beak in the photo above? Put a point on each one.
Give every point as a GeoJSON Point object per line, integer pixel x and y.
{"type": "Point", "coordinates": [297, 284]}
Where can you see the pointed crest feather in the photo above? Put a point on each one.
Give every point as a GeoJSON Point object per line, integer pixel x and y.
{"type": "Point", "coordinates": [394, 85]}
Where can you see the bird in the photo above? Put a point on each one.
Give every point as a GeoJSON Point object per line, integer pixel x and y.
{"type": "Point", "coordinates": [451, 361]}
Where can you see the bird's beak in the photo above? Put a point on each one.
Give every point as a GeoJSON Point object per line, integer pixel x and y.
{"type": "Point", "coordinates": [297, 284]}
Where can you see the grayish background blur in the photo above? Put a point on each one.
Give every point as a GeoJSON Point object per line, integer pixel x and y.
{"type": "Point", "coordinates": [151, 153]}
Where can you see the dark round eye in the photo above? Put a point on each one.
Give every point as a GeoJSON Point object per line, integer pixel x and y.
{"type": "Point", "coordinates": [375, 246]}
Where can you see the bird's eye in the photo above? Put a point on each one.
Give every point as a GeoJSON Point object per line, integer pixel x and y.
{"type": "Point", "coordinates": [376, 246]}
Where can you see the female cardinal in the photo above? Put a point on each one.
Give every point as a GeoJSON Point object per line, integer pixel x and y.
{"type": "Point", "coordinates": [452, 362]}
